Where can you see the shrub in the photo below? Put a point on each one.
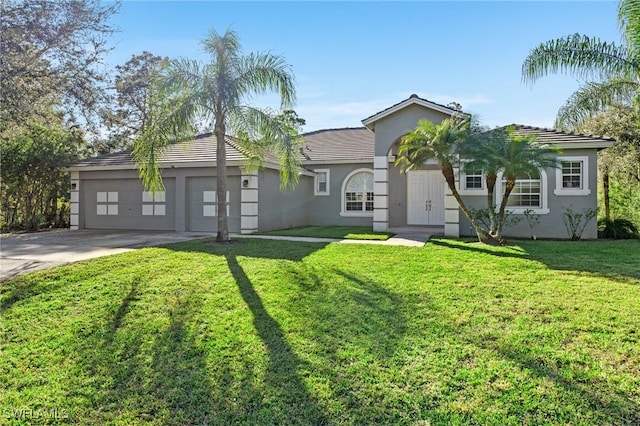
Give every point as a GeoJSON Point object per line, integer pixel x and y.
{"type": "Point", "coordinates": [620, 229]}
{"type": "Point", "coordinates": [575, 222]}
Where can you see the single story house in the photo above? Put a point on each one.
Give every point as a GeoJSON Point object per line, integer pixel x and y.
{"type": "Point", "coordinates": [349, 178]}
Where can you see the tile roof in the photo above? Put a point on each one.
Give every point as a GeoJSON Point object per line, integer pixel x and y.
{"type": "Point", "coordinates": [346, 144]}
{"type": "Point", "coordinates": [328, 145]}
{"type": "Point", "coordinates": [554, 136]}
{"type": "Point", "coordinates": [201, 149]}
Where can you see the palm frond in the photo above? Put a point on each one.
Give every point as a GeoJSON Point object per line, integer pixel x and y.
{"type": "Point", "coordinates": [432, 141]}
{"type": "Point", "coordinates": [592, 98]}
{"type": "Point", "coordinates": [581, 56]}
{"type": "Point", "coordinates": [171, 120]}
{"type": "Point", "coordinates": [522, 154]}
{"type": "Point", "coordinates": [629, 19]}
{"type": "Point", "coordinates": [223, 48]}
{"type": "Point", "coordinates": [260, 73]}
{"type": "Point", "coordinates": [262, 133]}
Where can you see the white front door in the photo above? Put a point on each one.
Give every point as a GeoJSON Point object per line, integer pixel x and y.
{"type": "Point", "coordinates": [425, 204]}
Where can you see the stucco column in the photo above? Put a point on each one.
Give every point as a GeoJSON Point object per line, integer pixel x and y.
{"type": "Point", "coordinates": [75, 201]}
{"type": "Point", "coordinates": [180, 207]}
{"type": "Point", "coordinates": [248, 202]}
{"type": "Point", "coordinates": [451, 210]}
{"type": "Point", "coordinates": [380, 193]}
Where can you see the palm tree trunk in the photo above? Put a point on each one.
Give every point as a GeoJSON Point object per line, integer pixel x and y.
{"type": "Point", "coordinates": [221, 181]}
{"type": "Point", "coordinates": [491, 184]}
{"type": "Point", "coordinates": [483, 236]}
{"type": "Point", "coordinates": [510, 184]}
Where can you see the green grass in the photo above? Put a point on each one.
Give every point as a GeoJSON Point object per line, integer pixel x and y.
{"type": "Point", "coordinates": [338, 232]}
{"type": "Point", "coordinates": [276, 332]}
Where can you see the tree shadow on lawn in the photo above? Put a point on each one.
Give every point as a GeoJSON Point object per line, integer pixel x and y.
{"type": "Point", "coordinates": [133, 378]}
{"type": "Point", "coordinates": [336, 316]}
{"type": "Point", "coordinates": [292, 402]}
{"type": "Point", "coordinates": [251, 247]}
{"type": "Point", "coordinates": [354, 325]}
{"type": "Point", "coordinates": [174, 377]}
{"type": "Point", "coordinates": [607, 405]}
{"type": "Point", "coordinates": [22, 287]}
{"type": "Point", "coordinates": [619, 262]}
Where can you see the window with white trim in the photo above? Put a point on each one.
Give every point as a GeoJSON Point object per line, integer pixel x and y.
{"type": "Point", "coordinates": [321, 182]}
{"type": "Point", "coordinates": [526, 192]}
{"type": "Point", "coordinates": [107, 203]}
{"type": "Point", "coordinates": [210, 203]}
{"type": "Point", "coordinates": [153, 203]}
{"type": "Point", "coordinates": [473, 179]}
{"type": "Point", "coordinates": [357, 193]}
{"type": "Point", "coordinates": [529, 193]}
{"type": "Point", "coordinates": [572, 177]}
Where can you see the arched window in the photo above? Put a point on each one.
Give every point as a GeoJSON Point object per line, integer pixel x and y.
{"type": "Point", "coordinates": [529, 193]}
{"type": "Point", "coordinates": [357, 193]}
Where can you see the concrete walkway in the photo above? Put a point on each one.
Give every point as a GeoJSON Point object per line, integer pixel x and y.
{"type": "Point", "coordinates": [21, 253]}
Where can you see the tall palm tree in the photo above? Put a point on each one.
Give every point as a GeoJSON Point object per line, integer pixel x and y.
{"type": "Point", "coordinates": [614, 68]}
{"type": "Point", "coordinates": [440, 142]}
{"type": "Point", "coordinates": [190, 93]}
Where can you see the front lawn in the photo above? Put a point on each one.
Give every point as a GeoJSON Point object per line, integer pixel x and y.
{"type": "Point", "coordinates": [276, 332]}
{"type": "Point", "coordinates": [338, 232]}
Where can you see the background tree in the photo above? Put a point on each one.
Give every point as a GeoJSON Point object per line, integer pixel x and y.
{"type": "Point", "coordinates": [442, 143]}
{"type": "Point", "coordinates": [189, 93]}
{"type": "Point", "coordinates": [129, 116]}
{"type": "Point", "coordinates": [620, 164]}
{"type": "Point", "coordinates": [35, 192]}
{"type": "Point", "coordinates": [51, 53]}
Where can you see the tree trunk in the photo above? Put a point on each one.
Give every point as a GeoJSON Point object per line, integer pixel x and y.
{"type": "Point", "coordinates": [510, 184]}
{"type": "Point", "coordinates": [483, 236]}
{"type": "Point", "coordinates": [605, 191]}
{"type": "Point", "coordinates": [221, 180]}
{"type": "Point", "coordinates": [491, 184]}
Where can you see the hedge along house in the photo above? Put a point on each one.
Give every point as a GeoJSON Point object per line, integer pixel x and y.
{"type": "Point", "coordinates": [349, 178]}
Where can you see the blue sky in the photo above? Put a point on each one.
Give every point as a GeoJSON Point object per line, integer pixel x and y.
{"type": "Point", "coordinates": [353, 59]}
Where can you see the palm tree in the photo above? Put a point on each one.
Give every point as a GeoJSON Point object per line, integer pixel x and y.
{"type": "Point", "coordinates": [440, 142]}
{"type": "Point", "coordinates": [519, 155]}
{"type": "Point", "coordinates": [189, 93]}
{"type": "Point", "coordinates": [502, 150]}
{"type": "Point", "coordinates": [482, 152]}
{"type": "Point", "coordinates": [616, 67]}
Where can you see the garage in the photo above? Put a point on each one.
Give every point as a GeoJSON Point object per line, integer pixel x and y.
{"type": "Point", "coordinates": [123, 204]}
{"type": "Point", "coordinates": [202, 206]}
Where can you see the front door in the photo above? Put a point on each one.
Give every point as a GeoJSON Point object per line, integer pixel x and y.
{"type": "Point", "coordinates": [425, 204]}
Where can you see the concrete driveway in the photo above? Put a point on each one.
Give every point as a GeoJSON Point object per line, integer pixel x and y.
{"type": "Point", "coordinates": [20, 253]}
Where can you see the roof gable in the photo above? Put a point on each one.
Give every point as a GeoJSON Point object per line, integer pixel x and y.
{"type": "Point", "coordinates": [414, 99]}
